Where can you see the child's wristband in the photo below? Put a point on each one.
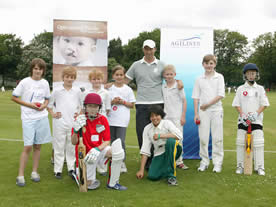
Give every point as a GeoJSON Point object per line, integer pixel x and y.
{"type": "Point", "coordinates": [75, 131]}
{"type": "Point", "coordinates": [158, 136]}
{"type": "Point", "coordinates": [96, 148]}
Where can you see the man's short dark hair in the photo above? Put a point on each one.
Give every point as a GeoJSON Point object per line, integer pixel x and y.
{"type": "Point", "coordinates": [156, 109]}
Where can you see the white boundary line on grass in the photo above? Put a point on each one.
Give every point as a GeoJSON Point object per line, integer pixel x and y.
{"type": "Point", "coordinates": [128, 146]}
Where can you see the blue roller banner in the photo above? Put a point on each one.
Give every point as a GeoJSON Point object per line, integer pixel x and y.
{"type": "Point", "coordinates": [185, 48]}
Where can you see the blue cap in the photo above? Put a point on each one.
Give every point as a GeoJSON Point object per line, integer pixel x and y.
{"type": "Point", "coordinates": [250, 66]}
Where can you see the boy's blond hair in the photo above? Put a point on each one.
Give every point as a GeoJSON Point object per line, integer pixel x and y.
{"type": "Point", "coordinates": [40, 63]}
{"type": "Point", "coordinates": [70, 71]}
{"type": "Point", "coordinates": [169, 67]}
{"type": "Point", "coordinates": [96, 74]}
{"type": "Point", "coordinates": [116, 68]}
{"type": "Point", "coordinates": [209, 57]}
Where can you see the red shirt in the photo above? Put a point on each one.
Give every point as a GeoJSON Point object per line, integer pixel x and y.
{"type": "Point", "coordinates": [96, 132]}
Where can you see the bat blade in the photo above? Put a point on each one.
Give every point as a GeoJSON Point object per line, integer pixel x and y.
{"type": "Point", "coordinates": [82, 166]}
{"type": "Point", "coordinates": [248, 163]}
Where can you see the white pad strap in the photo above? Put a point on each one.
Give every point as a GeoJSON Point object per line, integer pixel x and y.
{"type": "Point", "coordinates": [258, 138]}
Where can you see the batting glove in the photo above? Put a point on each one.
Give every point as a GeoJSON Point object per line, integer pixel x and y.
{"type": "Point", "coordinates": [244, 120]}
{"type": "Point", "coordinates": [79, 122]}
{"type": "Point", "coordinates": [253, 116]}
{"type": "Point", "coordinates": [92, 155]}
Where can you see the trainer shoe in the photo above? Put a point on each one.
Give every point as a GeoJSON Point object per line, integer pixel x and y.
{"type": "Point", "coordinates": [217, 169]}
{"type": "Point", "coordinates": [123, 168]}
{"type": "Point", "coordinates": [172, 181]}
{"type": "Point", "coordinates": [239, 170]}
{"type": "Point", "coordinates": [261, 172]}
{"type": "Point", "coordinates": [35, 177]}
{"type": "Point", "coordinates": [20, 181]}
{"type": "Point", "coordinates": [94, 185]}
{"type": "Point", "coordinates": [117, 186]}
{"type": "Point", "coordinates": [101, 170]}
{"type": "Point", "coordinates": [202, 167]}
{"type": "Point", "coordinates": [182, 166]}
{"type": "Point", "coordinates": [58, 175]}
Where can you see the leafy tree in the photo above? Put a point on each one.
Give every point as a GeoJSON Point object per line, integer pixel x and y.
{"type": "Point", "coordinates": [10, 54]}
{"type": "Point", "coordinates": [133, 50]}
{"type": "Point", "coordinates": [111, 63]}
{"type": "Point", "coordinates": [231, 50]}
{"type": "Point", "coordinates": [41, 46]}
{"type": "Point", "coordinates": [265, 57]}
{"type": "Point", "coordinates": [115, 49]}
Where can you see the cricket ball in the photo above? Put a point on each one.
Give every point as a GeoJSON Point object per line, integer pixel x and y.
{"type": "Point", "coordinates": [197, 122]}
{"type": "Point", "coordinates": [38, 104]}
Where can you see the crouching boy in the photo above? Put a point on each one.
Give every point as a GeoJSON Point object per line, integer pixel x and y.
{"type": "Point", "coordinates": [164, 136]}
{"type": "Point", "coordinates": [96, 138]}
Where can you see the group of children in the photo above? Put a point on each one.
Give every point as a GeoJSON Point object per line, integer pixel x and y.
{"type": "Point", "coordinates": [106, 115]}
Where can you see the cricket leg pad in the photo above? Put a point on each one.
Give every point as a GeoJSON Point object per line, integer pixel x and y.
{"type": "Point", "coordinates": [118, 155]}
{"type": "Point", "coordinates": [258, 149]}
{"type": "Point", "coordinates": [240, 142]}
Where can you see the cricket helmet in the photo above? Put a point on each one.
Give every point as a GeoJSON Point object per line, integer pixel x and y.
{"type": "Point", "coordinates": [93, 98]}
{"type": "Point", "coordinates": [250, 66]}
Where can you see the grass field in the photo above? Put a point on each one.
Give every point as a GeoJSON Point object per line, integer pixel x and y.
{"type": "Point", "coordinates": [194, 189]}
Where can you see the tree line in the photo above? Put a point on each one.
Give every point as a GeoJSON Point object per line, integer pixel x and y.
{"type": "Point", "coordinates": [231, 48]}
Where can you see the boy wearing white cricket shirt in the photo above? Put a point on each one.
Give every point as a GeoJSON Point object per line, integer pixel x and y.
{"type": "Point", "coordinates": [250, 101]}
{"type": "Point", "coordinates": [123, 99]}
{"type": "Point", "coordinates": [175, 105]}
{"type": "Point", "coordinates": [65, 104]}
{"type": "Point", "coordinates": [207, 94]}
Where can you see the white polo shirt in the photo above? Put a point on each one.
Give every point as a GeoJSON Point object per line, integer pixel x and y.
{"type": "Point", "coordinates": [106, 101]}
{"type": "Point", "coordinates": [120, 114]}
{"type": "Point", "coordinates": [148, 77]}
{"type": "Point", "coordinates": [206, 89]}
{"type": "Point", "coordinates": [173, 101]}
{"type": "Point", "coordinates": [32, 91]}
{"type": "Point", "coordinates": [250, 99]}
{"type": "Point", "coordinates": [164, 127]}
{"type": "Point", "coordinates": [68, 102]}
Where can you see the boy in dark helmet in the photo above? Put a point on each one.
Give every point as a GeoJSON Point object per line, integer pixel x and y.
{"type": "Point", "coordinates": [164, 137]}
{"type": "Point", "coordinates": [250, 102]}
{"type": "Point", "coordinates": [96, 138]}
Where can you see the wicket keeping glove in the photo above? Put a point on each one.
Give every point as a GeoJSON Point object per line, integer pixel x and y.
{"type": "Point", "coordinates": [252, 116]}
{"type": "Point", "coordinates": [79, 122]}
{"type": "Point", "coordinates": [92, 155]}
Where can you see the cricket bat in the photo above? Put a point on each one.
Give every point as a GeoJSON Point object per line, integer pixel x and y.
{"type": "Point", "coordinates": [248, 152]}
{"type": "Point", "coordinates": [82, 166]}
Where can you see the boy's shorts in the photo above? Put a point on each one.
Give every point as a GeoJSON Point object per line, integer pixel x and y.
{"type": "Point", "coordinates": [36, 131]}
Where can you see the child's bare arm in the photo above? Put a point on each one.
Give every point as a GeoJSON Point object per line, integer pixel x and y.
{"type": "Point", "coordinates": [183, 115]}
{"type": "Point", "coordinates": [23, 103]}
{"type": "Point", "coordinates": [196, 117]}
{"type": "Point", "coordinates": [212, 102]}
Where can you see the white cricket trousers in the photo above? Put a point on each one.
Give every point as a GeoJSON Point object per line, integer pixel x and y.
{"type": "Point", "coordinates": [63, 149]}
{"type": "Point", "coordinates": [211, 120]}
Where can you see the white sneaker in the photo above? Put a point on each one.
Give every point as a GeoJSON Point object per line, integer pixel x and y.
{"type": "Point", "coordinates": [261, 172]}
{"type": "Point", "coordinates": [123, 168]}
{"type": "Point", "coordinates": [20, 181]}
{"type": "Point", "coordinates": [101, 170]}
{"type": "Point", "coordinates": [217, 169]}
{"type": "Point", "coordinates": [35, 177]}
{"type": "Point", "coordinates": [202, 167]}
{"type": "Point", "coordinates": [239, 170]}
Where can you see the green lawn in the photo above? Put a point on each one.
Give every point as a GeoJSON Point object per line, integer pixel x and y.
{"type": "Point", "coordinates": [194, 189]}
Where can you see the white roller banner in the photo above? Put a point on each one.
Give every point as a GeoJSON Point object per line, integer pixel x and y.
{"type": "Point", "coordinates": [185, 48]}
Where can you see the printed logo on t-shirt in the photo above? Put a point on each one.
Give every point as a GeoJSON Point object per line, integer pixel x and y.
{"type": "Point", "coordinates": [95, 138]}
{"type": "Point", "coordinates": [245, 93]}
{"type": "Point", "coordinates": [155, 70]}
{"type": "Point", "coordinates": [114, 108]}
